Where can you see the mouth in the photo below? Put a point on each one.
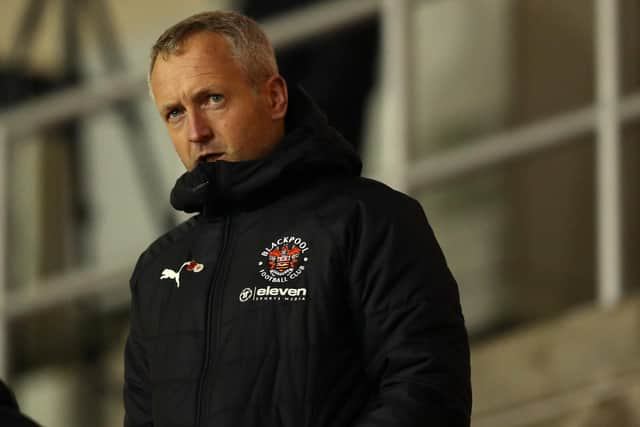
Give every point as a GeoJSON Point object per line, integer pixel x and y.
{"type": "Point", "coordinates": [209, 157]}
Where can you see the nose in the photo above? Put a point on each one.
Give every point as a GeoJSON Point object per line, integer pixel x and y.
{"type": "Point", "coordinates": [199, 128]}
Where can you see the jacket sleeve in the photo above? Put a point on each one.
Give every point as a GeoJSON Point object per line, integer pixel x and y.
{"type": "Point", "coordinates": [137, 387]}
{"type": "Point", "coordinates": [408, 312]}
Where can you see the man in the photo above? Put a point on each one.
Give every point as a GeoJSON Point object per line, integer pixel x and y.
{"type": "Point", "coordinates": [300, 294]}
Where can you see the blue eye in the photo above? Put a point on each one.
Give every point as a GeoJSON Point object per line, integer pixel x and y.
{"type": "Point", "coordinates": [173, 114]}
{"type": "Point", "coordinates": [216, 98]}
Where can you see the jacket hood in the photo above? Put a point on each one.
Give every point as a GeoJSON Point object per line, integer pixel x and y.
{"type": "Point", "coordinates": [309, 149]}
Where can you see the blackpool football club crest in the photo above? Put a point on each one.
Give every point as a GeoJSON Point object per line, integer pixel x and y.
{"type": "Point", "coordinates": [284, 259]}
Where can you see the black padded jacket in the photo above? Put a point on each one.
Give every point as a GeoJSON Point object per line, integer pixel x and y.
{"type": "Point", "coordinates": [301, 294]}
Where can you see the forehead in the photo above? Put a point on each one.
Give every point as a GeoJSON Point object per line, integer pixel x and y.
{"type": "Point", "coordinates": [202, 58]}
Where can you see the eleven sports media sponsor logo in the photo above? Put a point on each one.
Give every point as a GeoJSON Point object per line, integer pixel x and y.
{"type": "Point", "coordinates": [273, 294]}
{"type": "Point", "coordinates": [282, 261]}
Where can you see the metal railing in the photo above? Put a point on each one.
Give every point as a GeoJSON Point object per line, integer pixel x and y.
{"type": "Point", "coordinates": [605, 118]}
{"type": "Point", "coordinates": [4, 300]}
{"type": "Point", "coordinates": [608, 148]}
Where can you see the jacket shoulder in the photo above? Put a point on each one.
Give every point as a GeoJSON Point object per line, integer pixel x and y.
{"type": "Point", "coordinates": [364, 207]}
{"type": "Point", "coordinates": [378, 197]}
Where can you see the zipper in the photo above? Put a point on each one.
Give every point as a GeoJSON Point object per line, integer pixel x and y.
{"type": "Point", "coordinates": [213, 314]}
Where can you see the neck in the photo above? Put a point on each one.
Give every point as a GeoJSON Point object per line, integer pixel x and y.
{"type": "Point", "coordinates": [275, 137]}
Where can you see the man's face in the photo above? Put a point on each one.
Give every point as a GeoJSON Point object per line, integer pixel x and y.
{"type": "Point", "coordinates": [210, 108]}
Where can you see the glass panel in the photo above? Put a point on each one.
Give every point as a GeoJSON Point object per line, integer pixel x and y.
{"type": "Point", "coordinates": [629, 46]}
{"type": "Point", "coordinates": [67, 365]}
{"type": "Point", "coordinates": [631, 205]}
{"type": "Point", "coordinates": [491, 65]}
{"type": "Point", "coordinates": [519, 238]}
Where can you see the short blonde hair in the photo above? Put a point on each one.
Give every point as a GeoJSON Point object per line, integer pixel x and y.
{"type": "Point", "coordinates": [248, 43]}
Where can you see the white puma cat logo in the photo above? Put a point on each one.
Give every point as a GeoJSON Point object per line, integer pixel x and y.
{"type": "Point", "coordinates": [194, 266]}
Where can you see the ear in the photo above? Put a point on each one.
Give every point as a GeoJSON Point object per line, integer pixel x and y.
{"type": "Point", "coordinates": [277, 97]}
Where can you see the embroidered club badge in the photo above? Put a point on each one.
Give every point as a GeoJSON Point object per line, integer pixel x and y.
{"type": "Point", "coordinates": [284, 259]}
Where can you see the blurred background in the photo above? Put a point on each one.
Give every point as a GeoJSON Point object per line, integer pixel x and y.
{"type": "Point", "coordinates": [514, 122]}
